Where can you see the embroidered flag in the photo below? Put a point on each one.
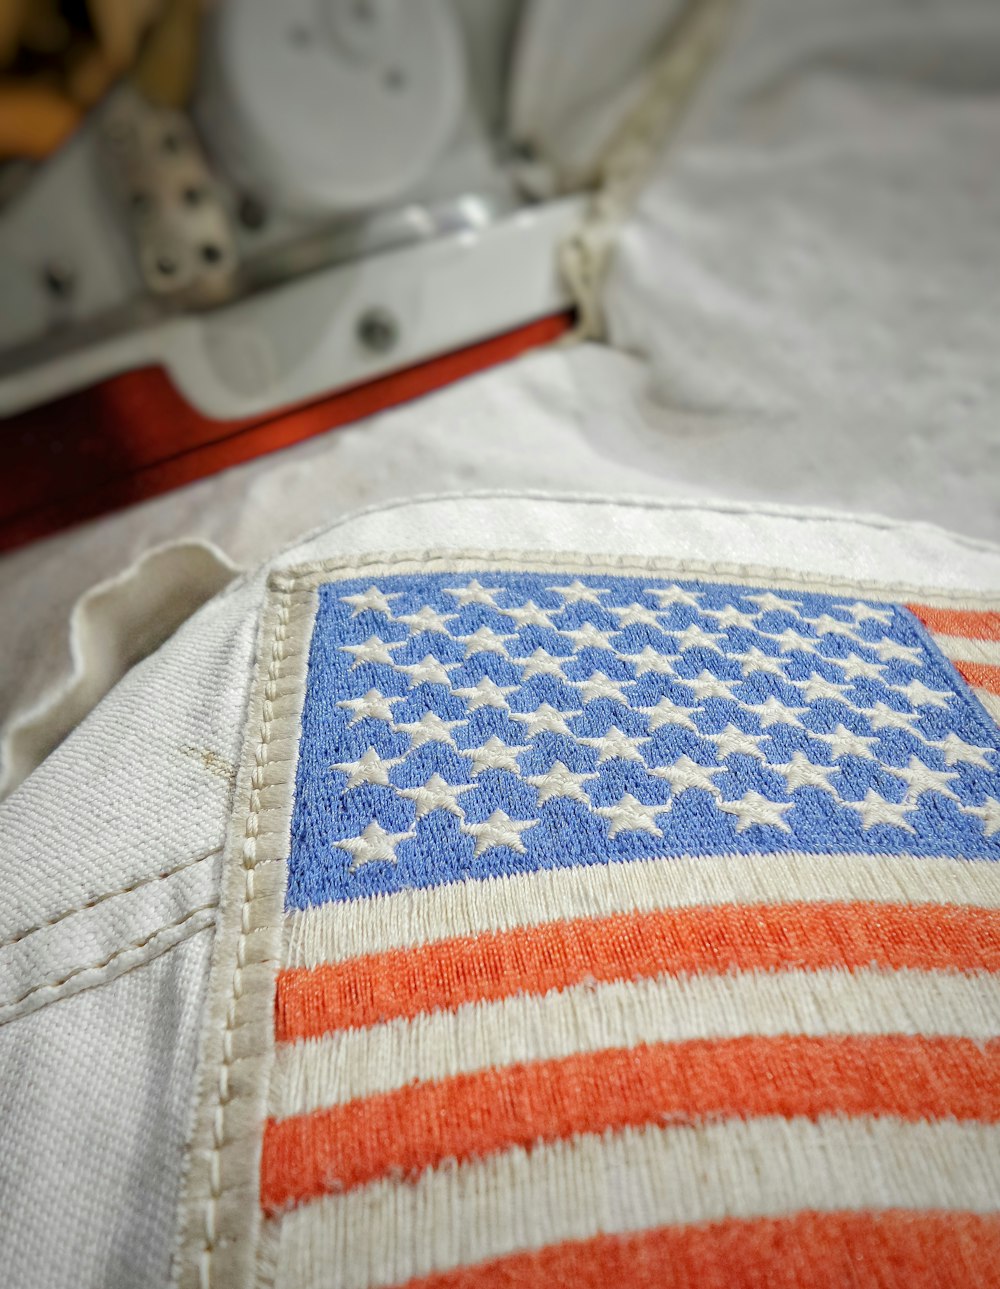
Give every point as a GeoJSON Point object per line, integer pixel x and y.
{"type": "Point", "coordinates": [637, 927]}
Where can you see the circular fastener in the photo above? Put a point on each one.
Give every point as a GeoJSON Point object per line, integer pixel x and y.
{"type": "Point", "coordinates": [59, 279]}
{"type": "Point", "coordinates": [252, 212]}
{"type": "Point", "coordinates": [378, 330]}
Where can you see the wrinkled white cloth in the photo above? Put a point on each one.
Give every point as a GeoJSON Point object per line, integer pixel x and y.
{"type": "Point", "coordinates": [807, 284]}
{"type": "Point", "coordinates": [809, 269]}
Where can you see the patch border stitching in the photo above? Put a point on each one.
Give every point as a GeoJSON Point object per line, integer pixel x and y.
{"type": "Point", "coordinates": [220, 1214]}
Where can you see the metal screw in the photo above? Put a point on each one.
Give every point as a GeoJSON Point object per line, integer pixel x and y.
{"type": "Point", "coordinates": [378, 330]}
{"type": "Point", "coordinates": [59, 279]}
{"type": "Point", "coordinates": [252, 212]}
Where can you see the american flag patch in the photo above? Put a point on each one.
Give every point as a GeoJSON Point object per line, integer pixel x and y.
{"type": "Point", "coordinates": [640, 927]}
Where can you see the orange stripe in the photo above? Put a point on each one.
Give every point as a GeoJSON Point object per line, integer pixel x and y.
{"type": "Point", "coordinates": [134, 436]}
{"type": "Point", "coordinates": [472, 1115]}
{"type": "Point", "coordinates": [892, 1249]}
{"type": "Point", "coordinates": [981, 675]}
{"type": "Point", "coordinates": [952, 622]}
{"type": "Point", "coordinates": [402, 983]}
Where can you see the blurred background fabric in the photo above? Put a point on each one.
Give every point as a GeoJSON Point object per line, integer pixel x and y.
{"type": "Point", "coordinates": [802, 309]}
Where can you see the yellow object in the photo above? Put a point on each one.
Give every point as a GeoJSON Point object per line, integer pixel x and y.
{"type": "Point", "coordinates": [65, 71]}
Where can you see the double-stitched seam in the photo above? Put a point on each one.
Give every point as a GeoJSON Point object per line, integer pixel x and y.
{"type": "Point", "coordinates": [311, 575]}
{"type": "Point", "coordinates": [68, 976]}
{"type": "Point", "coordinates": [239, 1033]}
{"type": "Point", "coordinates": [97, 900]}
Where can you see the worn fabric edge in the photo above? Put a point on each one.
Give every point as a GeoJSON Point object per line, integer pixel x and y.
{"type": "Point", "coordinates": [219, 1213]}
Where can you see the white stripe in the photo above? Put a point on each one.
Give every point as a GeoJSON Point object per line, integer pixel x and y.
{"type": "Point", "coordinates": [990, 701]}
{"type": "Point", "coordinates": [633, 1181]}
{"type": "Point", "coordinates": [962, 649]}
{"type": "Point", "coordinates": [344, 929]}
{"type": "Point", "coordinates": [341, 1066]}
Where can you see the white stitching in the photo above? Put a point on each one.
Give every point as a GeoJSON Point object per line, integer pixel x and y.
{"type": "Point", "coordinates": [110, 895]}
{"type": "Point", "coordinates": [105, 962]}
{"type": "Point", "coordinates": [258, 780]}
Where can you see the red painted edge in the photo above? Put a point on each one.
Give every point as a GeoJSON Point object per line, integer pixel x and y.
{"type": "Point", "coordinates": [133, 436]}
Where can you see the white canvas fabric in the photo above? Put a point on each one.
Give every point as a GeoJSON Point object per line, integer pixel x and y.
{"type": "Point", "coordinates": [110, 871]}
{"type": "Point", "coordinates": [803, 271]}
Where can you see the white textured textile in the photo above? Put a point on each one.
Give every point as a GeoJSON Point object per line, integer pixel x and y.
{"type": "Point", "coordinates": [807, 271]}
{"type": "Point", "coordinates": [109, 849]}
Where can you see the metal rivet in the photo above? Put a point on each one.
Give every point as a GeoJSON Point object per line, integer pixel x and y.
{"type": "Point", "coordinates": [378, 330]}
{"type": "Point", "coordinates": [252, 212]}
{"type": "Point", "coordinates": [59, 279]}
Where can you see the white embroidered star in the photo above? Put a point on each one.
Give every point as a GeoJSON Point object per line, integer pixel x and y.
{"type": "Point", "coordinates": [577, 593]}
{"type": "Point", "coordinates": [826, 625]}
{"type": "Point", "coordinates": [436, 794]}
{"type": "Point", "coordinates": [494, 754]}
{"type": "Point", "coordinates": [560, 781]}
{"type": "Point", "coordinates": [817, 687]}
{"type": "Point", "coordinates": [373, 599]}
{"type": "Point", "coordinates": [368, 768]}
{"type": "Point", "coordinates": [615, 745]}
{"type": "Point", "coordinates": [485, 640]}
{"type": "Point", "coordinates": [884, 717]}
{"type": "Point", "coordinates": [375, 845]}
{"type": "Point", "coordinates": [427, 619]}
{"type": "Point", "coordinates": [919, 695]}
{"type": "Point", "coordinates": [485, 693]}
{"type": "Point", "coordinates": [853, 666]}
{"type": "Point", "coordinates": [755, 660]}
{"type": "Point", "coordinates": [753, 810]}
{"type": "Point", "coordinates": [598, 685]}
{"type": "Point", "coordinates": [530, 614]}
{"type": "Point", "coordinates": [540, 663]}
{"type": "Point", "coordinates": [430, 728]}
{"type": "Point", "coordinates": [498, 830]}
{"type": "Point", "coordinates": [668, 595]}
{"type": "Point", "coordinates": [695, 637]}
{"type": "Point", "coordinates": [428, 671]}
{"type": "Point", "coordinates": [774, 712]}
{"type": "Point", "coordinates": [634, 615]}
{"type": "Point", "coordinates": [890, 650]}
{"type": "Point", "coordinates": [685, 773]}
{"type": "Point", "coordinates": [545, 719]}
{"type": "Point", "coordinates": [667, 712]}
{"type": "Point", "coordinates": [731, 616]}
{"type": "Point", "coordinates": [586, 636]}
{"type": "Point", "coordinates": [876, 810]}
{"type": "Point", "coordinates": [374, 649]}
{"type": "Point", "coordinates": [791, 640]}
{"type": "Point", "coordinates": [474, 593]}
{"type": "Point", "coordinates": [954, 750]}
{"type": "Point", "coordinates": [732, 740]}
{"type": "Point", "coordinates": [651, 660]}
{"type": "Point", "coordinates": [630, 815]}
{"type": "Point", "coordinates": [373, 706]}
{"type": "Point", "coordinates": [844, 742]}
{"type": "Point", "coordinates": [706, 685]}
{"type": "Point", "coordinates": [800, 772]}
{"type": "Point", "coordinates": [770, 603]}
{"type": "Point", "coordinates": [921, 778]}
{"type": "Point", "coordinates": [988, 815]}
{"type": "Point", "coordinates": [860, 612]}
